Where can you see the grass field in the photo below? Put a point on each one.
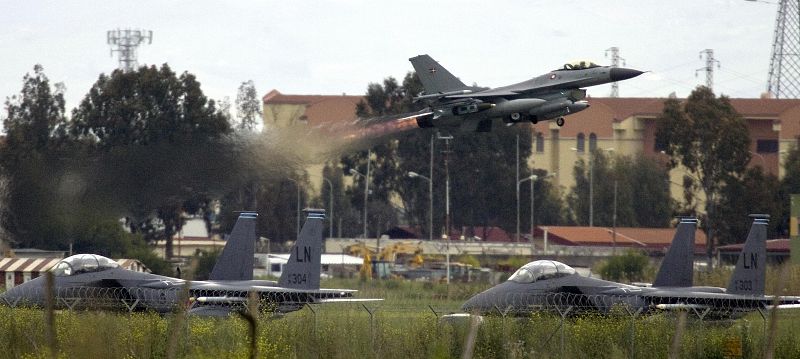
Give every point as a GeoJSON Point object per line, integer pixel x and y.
{"type": "Point", "coordinates": [405, 325]}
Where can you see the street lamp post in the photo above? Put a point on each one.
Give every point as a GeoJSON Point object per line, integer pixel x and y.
{"type": "Point", "coordinates": [533, 207]}
{"type": "Point", "coordinates": [529, 178]}
{"type": "Point", "coordinates": [614, 220]}
{"type": "Point", "coordinates": [330, 207]}
{"type": "Point", "coordinates": [591, 182]}
{"type": "Point", "coordinates": [297, 226]}
{"type": "Point", "coordinates": [430, 201]}
{"type": "Point", "coordinates": [366, 193]}
{"type": "Point", "coordinates": [446, 153]}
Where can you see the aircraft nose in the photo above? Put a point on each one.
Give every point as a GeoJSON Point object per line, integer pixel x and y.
{"type": "Point", "coordinates": [620, 73]}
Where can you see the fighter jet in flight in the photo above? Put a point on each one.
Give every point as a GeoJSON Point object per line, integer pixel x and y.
{"type": "Point", "coordinates": [551, 96]}
{"type": "Point", "coordinates": [91, 281]}
{"type": "Point", "coordinates": [545, 284]}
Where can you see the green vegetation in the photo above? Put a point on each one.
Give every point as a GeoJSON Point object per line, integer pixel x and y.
{"type": "Point", "coordinates": [401, 327]}
{"type": "Point", "coordinates": [631, 266]}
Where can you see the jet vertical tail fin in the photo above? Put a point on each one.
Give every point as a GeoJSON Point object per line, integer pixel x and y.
{"type": "Point", "coordinates": [677, 268]}
{"type": "Point", "coordinates": [302, 271]}
{"type": "Point", "coordinates": [434, 77]}
{"type": "Point", "coordinates": [750, 272]}
{"type": "Point", "coordinates": [236, 260]}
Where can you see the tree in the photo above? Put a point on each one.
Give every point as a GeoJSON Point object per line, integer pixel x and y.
{"type": "Point", "coordinates": [248, 106]}
{"type": "Point", "coordinates": [34, 123]}
{"type": "Point", "coordinates": [481, 169]}
{"type": "Point", "coordinates": [709, 138]}
{"type": "Point", "coordinates": [385, 165]}
{"type": "Point", "coordinates": [643, 198]}
{"type": "Point", "coordinates": [754, 192]}
{"type": "Point", "coordinates": [156, 133]}
{"type": "Point", "coordinates": [790, 184]}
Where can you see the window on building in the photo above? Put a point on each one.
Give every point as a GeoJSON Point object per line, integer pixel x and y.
{"type": "Point", "coordinates": [580, 145]}
{"type": "Point", "coordinates": [767, 146]}
{"type": "Point", "coordinates": [592, 142]}
{"type": "Point", "coordinates": [539, 142]}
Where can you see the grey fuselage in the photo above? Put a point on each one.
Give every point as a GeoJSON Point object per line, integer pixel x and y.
{"type": "Point", "coordinates": [122, 289]}
{"type": "Point", "coordinates": [582, 294]}
{"type": "Point", "coordinates": [549, 96]}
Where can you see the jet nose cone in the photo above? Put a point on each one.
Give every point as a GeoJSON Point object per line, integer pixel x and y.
{"type": "Point", "coordinates": [619, 73]}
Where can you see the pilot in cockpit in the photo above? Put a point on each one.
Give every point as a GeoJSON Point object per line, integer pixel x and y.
{"type": "Point", "coordinates": [580, 65]}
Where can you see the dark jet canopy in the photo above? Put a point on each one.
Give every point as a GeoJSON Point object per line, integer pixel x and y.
{"type": "Point", "coordinates": [541, 270]}
{"type": "Point", "coordinates": [82, 263]}
{"type": "Point", "coordinates": [579, 65]}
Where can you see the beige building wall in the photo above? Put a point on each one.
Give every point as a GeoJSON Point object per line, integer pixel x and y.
{"type": "Point", "coordinates": [622, 126]}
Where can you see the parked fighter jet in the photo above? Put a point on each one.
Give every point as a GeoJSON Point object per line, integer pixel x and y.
{"type": "Point", "coordinates": [95, 282]}
{"type": "Point", "coordinates": [545, 284]}
{"type": "Point", "coordinates": [546, 97]}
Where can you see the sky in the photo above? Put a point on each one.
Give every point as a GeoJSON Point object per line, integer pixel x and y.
{"type": "Point", "coordinates": [336, 47]}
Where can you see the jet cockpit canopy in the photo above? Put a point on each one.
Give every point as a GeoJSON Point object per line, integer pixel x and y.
{"type": "Point", "coordinates": [579, 65]}
{"type": "Point", "coordinates": [541, 270]}
{"type": "Point", "coordinates": [82, 263]}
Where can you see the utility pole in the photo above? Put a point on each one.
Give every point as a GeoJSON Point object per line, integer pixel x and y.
{"type": "Point", "coordinates": [446, 153]}
{"type": "Point", "coordinates": [517, 181]}
{"type": "Point", "coordinates": [614, 220]}
{"type": "Point", "coordinates": [125, 43]}
{"type": "Point", "coordinates": [430, 190]}
{"type": "Point", "coordinates": [709, 68]}
{"type": "Point", "coordinates": [784, 67]}
{"type": "Point", "coordinates": [615, 59]}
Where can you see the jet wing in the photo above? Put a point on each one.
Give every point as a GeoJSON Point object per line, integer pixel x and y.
{"type": "Point", "coordinates": [239, 288]}
{"type": "Point", "coordinates": [487, 93]}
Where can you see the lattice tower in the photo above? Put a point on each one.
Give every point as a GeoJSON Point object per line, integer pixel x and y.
{"type": "Point", "coordinates": [125, 43]}
{"type": "Point", "coordinates": [784, 67]}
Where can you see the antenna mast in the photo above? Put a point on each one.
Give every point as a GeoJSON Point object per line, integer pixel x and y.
{"type": "Point", "coordinates": [125, 42]}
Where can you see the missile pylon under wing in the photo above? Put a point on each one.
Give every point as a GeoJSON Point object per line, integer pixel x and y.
{"type": "Point", "coordinates": [550, 96]}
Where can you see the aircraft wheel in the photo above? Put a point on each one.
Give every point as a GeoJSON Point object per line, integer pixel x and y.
{"type": "Point", "coordinates": [534, 120]}
{"type": "Point", "coordinates": [516, 116]}
{"type": "Point", "coordinates": [560, 121]}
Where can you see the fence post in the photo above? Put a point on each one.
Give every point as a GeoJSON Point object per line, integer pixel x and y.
{"type": "Point", "coordinates": [563, 322]}
{"type": "Point", "coordinates": [49, 315]}
{"type": "Point", "coordinates": [633, 315]}
{"type": "Point", "coordinates": [761, 311]}
{"type": "Point", "coordinates": [701, 315]}
{"type": "Point", "coordinates": [316, 335]}
{"type": "Point", "coordinates": [371, 328]}
{"type": "Point", "coordinates": [675, 348]}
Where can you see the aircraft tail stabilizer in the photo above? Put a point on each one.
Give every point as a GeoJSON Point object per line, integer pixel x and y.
{"type": "Point", "coordinates": [302, 271]}
{"type": "Point", "coordinates": [434, 77]}
{"type": "Point", "coordinates": [750, 272]}
{"type": "Point", "coordinates": [236, 260]}
{"type": "Point", "coordinates": [677, 268]}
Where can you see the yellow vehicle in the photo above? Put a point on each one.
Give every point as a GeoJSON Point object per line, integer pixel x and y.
{"type": "Point", "coordinates": [378, 263]}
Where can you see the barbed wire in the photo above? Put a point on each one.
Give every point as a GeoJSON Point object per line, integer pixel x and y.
{"type": "Point", "coordinates": [165, 300]}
